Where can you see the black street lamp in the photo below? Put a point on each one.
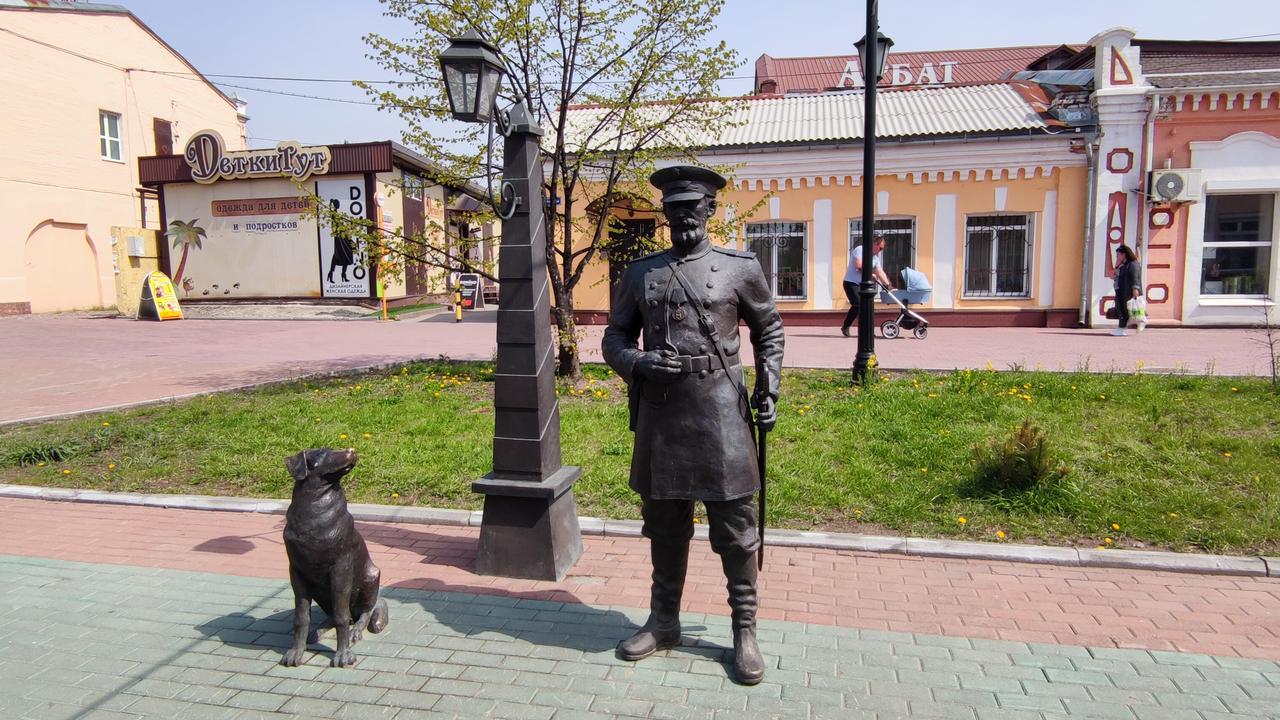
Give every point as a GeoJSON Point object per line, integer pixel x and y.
{"type": "Point", "coordinates": [530, 527]}
{"type": "Point", "coordinates": [873, 61]}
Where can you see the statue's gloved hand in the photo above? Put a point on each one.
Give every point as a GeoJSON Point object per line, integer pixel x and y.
{"type": "Point", "coordinates": [766, 410]}
{"type": "Point", "coordinates": [657, 367]}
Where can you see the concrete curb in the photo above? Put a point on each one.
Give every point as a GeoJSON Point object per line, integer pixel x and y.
{"type": "Point", "coordinates": [603, 527]}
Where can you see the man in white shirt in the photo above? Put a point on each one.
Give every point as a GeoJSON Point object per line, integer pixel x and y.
{"type": "Point", "coordinates": [853, 278]}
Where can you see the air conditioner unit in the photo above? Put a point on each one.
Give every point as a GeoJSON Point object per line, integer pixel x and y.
{"type": "Point", "coordinates": [1182, 185]}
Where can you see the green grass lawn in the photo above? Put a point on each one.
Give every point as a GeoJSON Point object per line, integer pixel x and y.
{"type": "Point", "coordinates": [1181, 462]}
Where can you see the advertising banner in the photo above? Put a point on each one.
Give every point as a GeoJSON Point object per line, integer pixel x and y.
{"type": "Point", "coordinates": [159, 301]}
{"type": "Point", "coordinates": [344, 270]}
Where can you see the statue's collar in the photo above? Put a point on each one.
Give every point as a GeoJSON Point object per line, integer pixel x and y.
{"type": "Point", "coordinates": [692, 256]}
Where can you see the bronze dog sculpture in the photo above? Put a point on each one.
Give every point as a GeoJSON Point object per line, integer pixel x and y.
{"type": "Point", "coordinates": [328, 560]}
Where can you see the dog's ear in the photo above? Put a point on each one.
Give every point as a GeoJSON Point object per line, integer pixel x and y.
{"type": "Point", "coordinates": [297, 465]}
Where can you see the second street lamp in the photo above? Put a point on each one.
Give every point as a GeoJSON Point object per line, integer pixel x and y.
{"type": "Point", "coordinates": [530, 527]}
{"type": "Point", "coordinates": [873, 61]}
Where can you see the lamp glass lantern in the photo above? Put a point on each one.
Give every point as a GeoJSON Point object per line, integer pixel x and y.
{"type": "Point", "coordinates": [472, 77]}
{"type": "Point", "coordinates": [883, 43]}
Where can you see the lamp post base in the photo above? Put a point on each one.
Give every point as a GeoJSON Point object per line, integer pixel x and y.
{"type": "Point", "coordinates": [530, 528]}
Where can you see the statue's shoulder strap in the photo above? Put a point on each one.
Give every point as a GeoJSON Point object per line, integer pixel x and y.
{"type": "Point", "coordinates": [734, 253]}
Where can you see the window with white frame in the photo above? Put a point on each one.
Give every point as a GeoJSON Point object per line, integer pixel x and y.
{"type": "Point", "coordinates": [413, 186]}
{"type": "Point", "coordinates": [997, 256]}
{"type": "Point", "coordinates": [781, 248]}
{"type": "Point", "coordinates": [1237, 244]}
{"type": "Point", "coordinates": [109, 136]}
{"type": "Point", "coordinates": [899, 244]}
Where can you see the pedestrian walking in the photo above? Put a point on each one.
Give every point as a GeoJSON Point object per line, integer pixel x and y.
{"type": "Point", "coordinates": [1128, 285]}
{"type": "Point", "coordinates": [853, 278]}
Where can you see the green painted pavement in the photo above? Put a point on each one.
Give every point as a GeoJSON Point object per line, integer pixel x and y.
{"type": "Point", "coordinates": [102, 641]}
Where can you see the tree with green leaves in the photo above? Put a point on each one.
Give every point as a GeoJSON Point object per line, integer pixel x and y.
{"type": "Point", "coordinates": [645, 67]}
{"type": "Point", "coordinates": [185, 235]}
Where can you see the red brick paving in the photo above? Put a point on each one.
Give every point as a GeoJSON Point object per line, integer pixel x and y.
{"type": "Point", "coordinates": [1213, 614]}
{"type": "Point", "coordinates": [56, 364]}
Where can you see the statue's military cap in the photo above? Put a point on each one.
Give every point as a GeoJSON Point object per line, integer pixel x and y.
{"type": "Point", "coordinates": [686, 182]}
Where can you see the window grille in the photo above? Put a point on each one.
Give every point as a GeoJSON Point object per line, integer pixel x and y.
{"type": "Point", "coordinates": [782, 249]}
{"type": "Point", "coordinates": [997, 256]}
{"type": "Point", "coordinates": [899, 244]}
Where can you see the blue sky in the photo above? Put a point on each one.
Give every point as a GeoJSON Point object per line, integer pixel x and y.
{"type": "Point", "coordinates": [323, 39]}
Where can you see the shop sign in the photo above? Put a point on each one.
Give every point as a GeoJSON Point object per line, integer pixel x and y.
{"type": "Point", "coordinates": [901, 74]}
{"type": "Point", "coordinates": [261, 206]}
{"type": "Point", "coordinates": [344, 261]}
{"type": "Point", "coordinates": [209, 161]}
{"type": "Point", "coordinates": [469, 289]}
{"type": "Point", "coordinates": [159, 301]}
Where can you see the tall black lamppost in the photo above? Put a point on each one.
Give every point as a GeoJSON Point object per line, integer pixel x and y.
{"type": "Point", "coordinates": [872, 57]}
{"type": "Point", "coordinates": [530, 527]}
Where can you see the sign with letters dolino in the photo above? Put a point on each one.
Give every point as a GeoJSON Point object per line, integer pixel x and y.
{"type": "Point", "coordinates": [210, 161]}
{"type": "Point", "coordinates": [469, 287]}
{"type": "Point", "coordinates": [344, 260]}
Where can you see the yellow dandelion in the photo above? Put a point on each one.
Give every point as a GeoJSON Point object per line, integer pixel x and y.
{"type": "Point", "coordinates": [1115, 526]}
{"type": "Point", "coordinates": [1235, 389]}
{"type": "Point", "coordinates": [395, 496]}
{"type": "Point", "coordinates": [933, 394]}
{"type": "Point", "coordinates": [342, 436]}
{"type": "Point", "coordinates": [106, 424]}
{"type": "Point", "coordinates": [1000, 534]}
{"type": "Point", "coordinates": [1173, 515]}
{"type": "Point", "coordinates": [357, 387]}
{"type": "Point", "coordinates": [111, 466]}
{"type": "Point", "coordinates": [368, 435]}
{"type": "Point", "coordinates": [40, 464]}
{"type": "Point", "coordinates": [697, 520]}
{"type": "Point", "coordinates": [924, 469]}
{"type": "Point", "coordinates": [1102, 397]}
{"type": "Point", "coordinates": [1101, 547]}
{"type": "Point", "coordinates": [857, 513]}
{"type": "Point", "coordinates": [66, 472]}
{"type": "Point", "coordinates": [1226, 453]}
{"type": "Point", "coordinates": [962, 520]}
{"type": "Point", "coordinates": [436, 394]}
{"type": "Point", "coordinates": [1107, 540]}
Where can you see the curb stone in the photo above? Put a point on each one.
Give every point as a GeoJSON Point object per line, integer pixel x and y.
{"type": "Point", "coordinates": [921, 547]}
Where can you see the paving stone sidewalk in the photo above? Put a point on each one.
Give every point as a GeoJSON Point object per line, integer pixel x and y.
{"type": "Point", "coordinates": [126, 612]}
{"type": "Point", "coordinates": [87, 640]}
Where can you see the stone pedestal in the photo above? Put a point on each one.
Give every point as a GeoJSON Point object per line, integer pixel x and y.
{"type": "Point", "coordinates": [530, 529]}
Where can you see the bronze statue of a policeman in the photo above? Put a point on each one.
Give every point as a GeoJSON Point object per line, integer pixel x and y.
{"type": "Point", "coordinates": [673, 336]}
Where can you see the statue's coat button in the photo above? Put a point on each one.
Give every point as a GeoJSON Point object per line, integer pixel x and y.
{"type": "Point", "coordinates": [706, 303]}
{"type": "Point", "coordinates": [702, 374]}
{"type": "Point", "coordinates": [710, 285]}
{"type": "Point", "coordinates": [714, 268]}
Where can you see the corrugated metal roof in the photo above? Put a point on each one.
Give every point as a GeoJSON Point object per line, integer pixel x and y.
{"type": "Point", "coordinates": [828, 117]}
{"type": "Point", "coordinates": [817, 74]}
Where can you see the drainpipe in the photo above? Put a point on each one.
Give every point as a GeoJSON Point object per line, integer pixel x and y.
{"type": "Point", "coordinates": [1086, 267]}
{"type": "Point", "coordinates": [1144, 200]}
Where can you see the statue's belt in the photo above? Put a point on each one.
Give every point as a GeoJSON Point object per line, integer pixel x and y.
{"type": "Point", "coordinates": [690, 364]}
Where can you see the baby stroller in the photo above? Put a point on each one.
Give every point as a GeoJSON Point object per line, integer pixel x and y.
{"type": "Point", "coordinates": [915, 289]}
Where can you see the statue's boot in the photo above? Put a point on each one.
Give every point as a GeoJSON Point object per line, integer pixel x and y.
{"type": "Point", "coordinates": [740, 571]}
{"type": "Point", "coordinates": [662, 629]}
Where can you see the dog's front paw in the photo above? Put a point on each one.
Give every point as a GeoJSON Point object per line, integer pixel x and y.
{"type": "Point", "coordinates": [293, 657]}
{"type": "Point", "coordinates": [343, 658]}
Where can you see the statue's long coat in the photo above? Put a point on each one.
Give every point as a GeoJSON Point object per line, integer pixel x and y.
{"type": "Point", "coordinates": [693, 437]}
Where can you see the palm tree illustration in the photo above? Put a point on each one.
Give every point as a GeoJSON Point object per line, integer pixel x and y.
{"type": "Point", "coordinates": [185, 234]}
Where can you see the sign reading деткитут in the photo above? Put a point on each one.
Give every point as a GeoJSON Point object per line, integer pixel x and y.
{"type": "Point", "coordinates": [209, 161]}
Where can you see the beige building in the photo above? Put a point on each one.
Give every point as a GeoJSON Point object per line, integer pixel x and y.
{"type": "Point", "coordinates": [88, 89]}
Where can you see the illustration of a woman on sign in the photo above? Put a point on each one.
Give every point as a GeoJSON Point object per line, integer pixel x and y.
{"type": "Point", "coordinates": [343, 249]}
